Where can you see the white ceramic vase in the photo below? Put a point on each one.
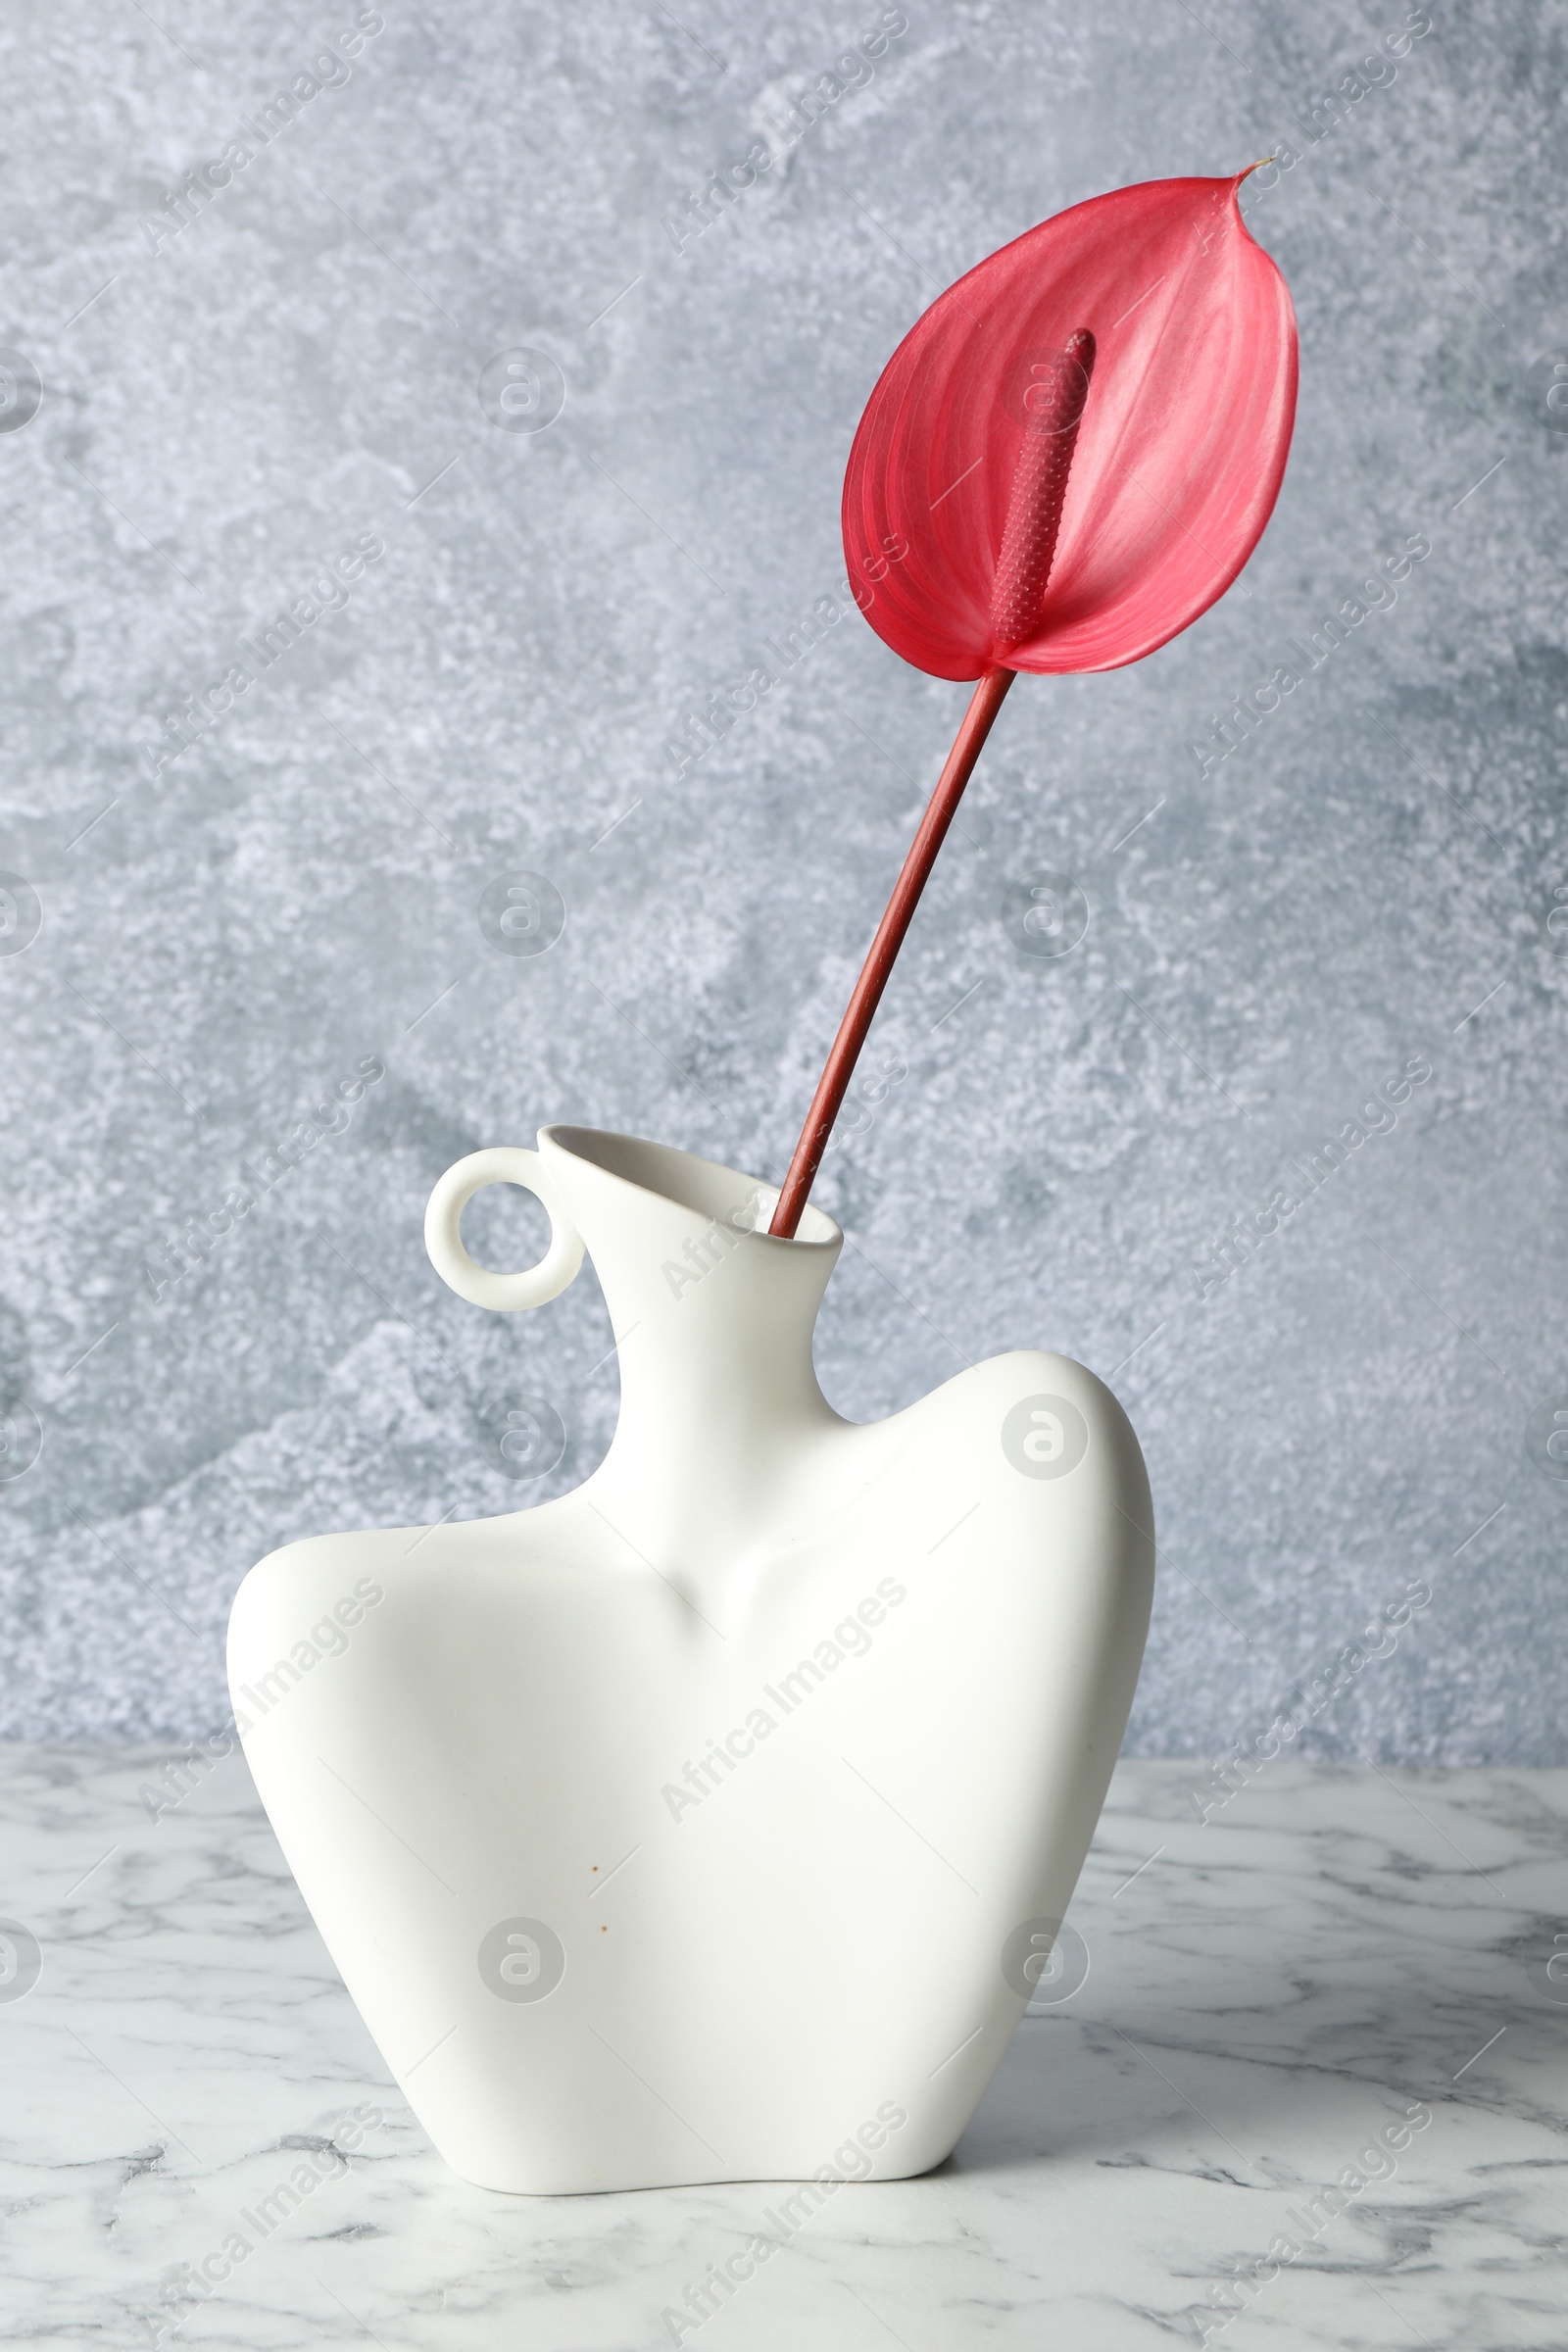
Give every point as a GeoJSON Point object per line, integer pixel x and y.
{"type": "Point", "coordinates": [712, 1821]}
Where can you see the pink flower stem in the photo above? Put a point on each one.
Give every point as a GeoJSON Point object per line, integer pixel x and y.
{"type": "Point", "coordinates": [985, 703]}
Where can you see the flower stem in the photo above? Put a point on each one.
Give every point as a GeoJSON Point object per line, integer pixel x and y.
{"type": "Point", "coordinates": [984, 705]}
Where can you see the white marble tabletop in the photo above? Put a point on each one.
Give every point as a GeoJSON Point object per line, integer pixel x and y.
{"type": "Point", "coordinates": [1312, 2093]}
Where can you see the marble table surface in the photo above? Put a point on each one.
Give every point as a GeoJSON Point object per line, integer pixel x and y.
{"type": "Point", "coordinates": [1312, 2093]}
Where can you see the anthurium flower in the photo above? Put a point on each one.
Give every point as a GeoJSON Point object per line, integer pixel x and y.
{"type": "Point", "coordinates": [1180, 444]}
{"type": "Point", "coordinates": [1065, 463]}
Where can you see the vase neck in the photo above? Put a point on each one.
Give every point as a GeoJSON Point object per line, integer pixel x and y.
{"type": "Point", "coordinates": [713, 1318]}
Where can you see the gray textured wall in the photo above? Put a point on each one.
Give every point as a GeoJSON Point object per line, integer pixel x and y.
{"type": "Point", "coordinates": [1366, 881]}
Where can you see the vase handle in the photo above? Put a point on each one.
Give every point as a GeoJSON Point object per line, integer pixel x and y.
{"type": "Point", "coordinates": [509, 1292]}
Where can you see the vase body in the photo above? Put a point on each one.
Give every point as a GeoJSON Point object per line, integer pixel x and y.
{"type": "Point", "coordinates": [711, 1822]}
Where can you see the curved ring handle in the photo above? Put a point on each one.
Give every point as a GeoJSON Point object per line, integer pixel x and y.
{"type": "Point", "coordinates": [535, 1285]}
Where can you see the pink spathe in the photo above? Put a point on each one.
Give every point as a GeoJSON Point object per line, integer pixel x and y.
{"type": "Point", "coordinates": [1180, 450]}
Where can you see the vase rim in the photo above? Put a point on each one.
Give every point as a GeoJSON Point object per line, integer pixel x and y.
{"type": "Point", "coordinates": [706, 1187]}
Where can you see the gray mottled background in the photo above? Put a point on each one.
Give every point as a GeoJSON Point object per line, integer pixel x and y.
{"type": "Point", "coordinates": [1367, 880]}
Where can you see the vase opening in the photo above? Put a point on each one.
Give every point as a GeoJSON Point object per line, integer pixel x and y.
{"type": "Point", "coordinates": [703, 1187]}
